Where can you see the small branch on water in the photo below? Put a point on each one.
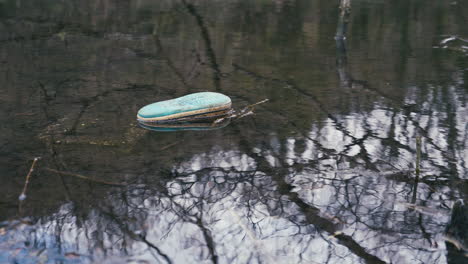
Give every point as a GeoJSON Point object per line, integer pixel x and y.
{"type": "Point", "coordinates": [248, 110]}
{"type": "Point", "coordinates": [257, 103]}
{"type": "Point", "coordinates": [22, 196]}
{"type": "Point", "coordinates": [85, 177]}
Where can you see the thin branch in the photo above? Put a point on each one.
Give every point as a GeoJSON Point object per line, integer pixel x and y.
{"type": "Point", "coordinates": [22, 196]}
{"type": "Point", "coordinates": [85, 177]}
{"type": "Point", "coordinates": [170, 145]}
{"type": "Point", "coordinates": [233, 114]}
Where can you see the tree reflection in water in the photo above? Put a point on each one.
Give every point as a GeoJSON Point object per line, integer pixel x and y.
{"type": "Point", "coordinates": [345, 193]}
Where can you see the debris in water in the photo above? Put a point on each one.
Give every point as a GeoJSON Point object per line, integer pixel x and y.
{"type": "Point", "coordinates": [22, 196]}
{"type": "Point", "coordinates": [192, 107]}
{"type": "Point", "coordinates": [246, 111]}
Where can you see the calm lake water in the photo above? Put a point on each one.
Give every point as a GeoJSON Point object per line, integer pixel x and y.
{"type": "Point", "coordinates": [324, 172]}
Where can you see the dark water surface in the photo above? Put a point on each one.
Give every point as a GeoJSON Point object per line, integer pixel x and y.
{"type": "Point", "coordinates": [325, 172]}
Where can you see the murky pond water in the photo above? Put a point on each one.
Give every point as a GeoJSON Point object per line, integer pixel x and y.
{"type": "Point", "coordinates": [358, 156]}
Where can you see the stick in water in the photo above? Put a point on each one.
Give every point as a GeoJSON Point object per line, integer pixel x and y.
{"type": "Point", "coordinates": [22, 196]}
{"type": "Point", "coordinates": [85, 177]}
{"type": "Point", "coordinates": [233, 114]}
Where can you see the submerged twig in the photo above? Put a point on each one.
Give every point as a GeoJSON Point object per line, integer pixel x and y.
{"type": "Point", "coordinates": [85, 177]}
{"type": "Point", "coordinates": [25, 114]}
{"type": "Point", "coordinates": [170, 145]}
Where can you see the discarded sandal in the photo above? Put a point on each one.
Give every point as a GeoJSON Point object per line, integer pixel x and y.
{"type": "Point", "coordinates": [196, 106]}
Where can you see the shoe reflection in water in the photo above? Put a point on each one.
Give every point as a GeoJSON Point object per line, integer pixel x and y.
{"type": "Point", "coordinates": [209, 124]}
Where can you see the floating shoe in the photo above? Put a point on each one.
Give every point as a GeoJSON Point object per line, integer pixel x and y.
{"type": "Point", "coordinates": [188, 108]}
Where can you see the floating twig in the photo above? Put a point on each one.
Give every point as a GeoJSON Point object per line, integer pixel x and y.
{"type": "Point", "coordinates": [85, 177]}
{"type": "Point", "coordinates": [257, 103]}
{"type": "Point", "coordinates": [22, 196]}
{"type": "Point", "coordinates": [233, 114]}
